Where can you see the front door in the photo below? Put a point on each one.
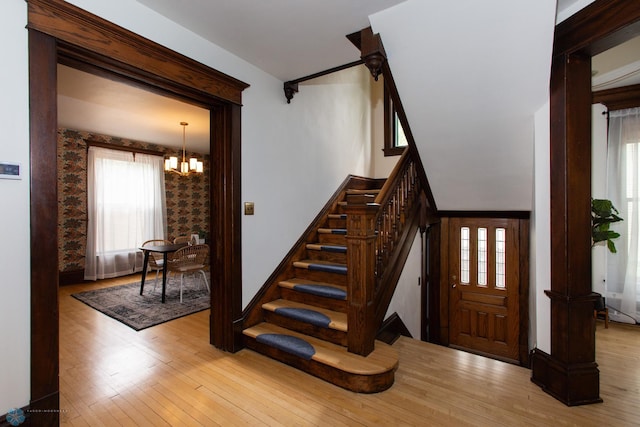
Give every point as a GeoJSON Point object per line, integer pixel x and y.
{"type": "Point", "coordinates": [483, 286]}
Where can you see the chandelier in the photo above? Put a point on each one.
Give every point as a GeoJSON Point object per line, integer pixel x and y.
{"type": "Point", "coordinates": [186, 167]}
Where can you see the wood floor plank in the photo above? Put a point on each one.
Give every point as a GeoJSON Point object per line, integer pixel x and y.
{"type": "Point", "coordinates": [170, 375]}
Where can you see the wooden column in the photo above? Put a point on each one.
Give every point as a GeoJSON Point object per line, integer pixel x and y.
{"type": "Point", "coordinates": [361, 259]}
{"type": "Point", "coordinates": [45, 366]}
{"type": "Point", "coordinates": [570, 373]}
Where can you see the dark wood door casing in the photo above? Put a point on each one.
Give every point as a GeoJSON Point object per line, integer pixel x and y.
{"type": "Point", "coordinates": [60, 30]}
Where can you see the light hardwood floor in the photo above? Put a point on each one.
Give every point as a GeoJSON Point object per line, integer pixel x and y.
{"type": "Point", "coordinates": [111, 375]}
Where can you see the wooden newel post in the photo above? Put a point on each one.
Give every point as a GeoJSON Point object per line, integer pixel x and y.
{"type": "Point", "coordinates": [361, 259]}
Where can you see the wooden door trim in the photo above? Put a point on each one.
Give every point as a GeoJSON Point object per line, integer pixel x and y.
{"type": "Point", "coordinates": [135, 54]}
{"type": "Point", "coordinates": [57, 28]}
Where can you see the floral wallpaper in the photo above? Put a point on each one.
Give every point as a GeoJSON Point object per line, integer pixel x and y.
{"type": "Point", "coordinates": [187, 197]}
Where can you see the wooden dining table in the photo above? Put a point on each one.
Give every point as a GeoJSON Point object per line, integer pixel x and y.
{"type": "Point", "coordinates": [165, 250]}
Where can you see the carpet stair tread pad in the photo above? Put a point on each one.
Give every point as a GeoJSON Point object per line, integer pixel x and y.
{"type": "Point", "coordinates": [320, 265]}
{"type": "Point", "coordinates": [289, 344]}
{"type": "Point", "coordinates": [327, 248]}
{"type": "Point", "coordinates": [320, 289]}
{"type": "Point", "coordinates": [309, 314]}
{"type": "Point", "coordinates": [382, 359]}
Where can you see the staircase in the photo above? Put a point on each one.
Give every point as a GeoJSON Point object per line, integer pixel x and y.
{"type": "Point", "coordinates": [314, 313]}
{"type": "Point", "coordinates": [306, 325]}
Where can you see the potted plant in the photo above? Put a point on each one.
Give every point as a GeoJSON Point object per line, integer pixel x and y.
{"type": "Point", "coordinates": [603, 214]}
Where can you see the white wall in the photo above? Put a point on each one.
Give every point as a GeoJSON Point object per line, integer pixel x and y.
{"type": "Point", "coordinates": [14, 214]}
{"type": "Point", "coordinates": [324, 137]}
{"type": "Point", "coordinates": [407, 300]}
{"type": "Point", "coordinates": [473, 129]}
{"type": "Point", "coordinates": [598, 190]}
{"type": "Point", "coordinates": [540, 260]}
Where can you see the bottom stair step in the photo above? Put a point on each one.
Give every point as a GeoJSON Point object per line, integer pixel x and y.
{"type": "Point", "coordinates": [331, 362]}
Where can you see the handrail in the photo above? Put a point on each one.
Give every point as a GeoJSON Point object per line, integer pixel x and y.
{"type": "Point", "coordinates": [397, 197]}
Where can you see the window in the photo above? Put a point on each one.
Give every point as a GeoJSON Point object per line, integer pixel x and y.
{"type": "Point", "coordinates": [622, 284]}
{"type": "Point", "coordinates": [395, 139]}
{"type": "Point", "coordinates": [482, 256]}
{"type": "Point", "coordinates": [125, 206]}
{"type": "Point", "coordinates": [501, 251]}
{"type": "Point", "coordinates": [465, 255]}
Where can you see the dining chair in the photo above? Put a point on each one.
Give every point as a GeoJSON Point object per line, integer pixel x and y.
{"type": "Point", "coordinates": [189, 259]}
{"type": "Point", "coordinates": [155, 260]}
{"type": "Point", "coordinates": [181, 239]}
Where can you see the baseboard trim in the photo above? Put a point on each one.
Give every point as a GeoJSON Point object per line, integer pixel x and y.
{"type": "Point", "coordinates": [392, 329]}
{"type": "Point", "coordinates": [572, 384]}
{"type": "Point", "coordinates": [71, 277]}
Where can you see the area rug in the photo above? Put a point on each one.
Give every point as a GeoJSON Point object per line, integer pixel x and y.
{"type": "Point", "coordinates": [125, 304]}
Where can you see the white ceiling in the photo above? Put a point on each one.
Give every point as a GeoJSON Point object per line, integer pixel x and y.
{"type": "Point", "coordinates": [95, 104]}
{"type": "Point", "coordinates": [288, 39]}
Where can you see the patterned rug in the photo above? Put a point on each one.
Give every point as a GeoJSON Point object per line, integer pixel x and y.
{"type": "Point", "coordinates": [125, 304]}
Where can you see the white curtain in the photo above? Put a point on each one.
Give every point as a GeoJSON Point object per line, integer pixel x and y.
{"type": "Point", "coordinates": [623, 189]}
{"type": "Point", "coordinates": [126, 206]}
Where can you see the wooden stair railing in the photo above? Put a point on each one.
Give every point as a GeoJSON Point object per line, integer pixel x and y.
{"type": "Point", "coordinates": [378, 232]}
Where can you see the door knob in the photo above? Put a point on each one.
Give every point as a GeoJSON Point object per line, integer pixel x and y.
{"type": "Point", "coordinates": [453, 285]}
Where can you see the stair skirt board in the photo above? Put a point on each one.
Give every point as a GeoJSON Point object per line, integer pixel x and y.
{"type": "Point", "coordinates": [305, 315]}
{"type": "Point", "coordinates": [328, 248]}
{"type": "Point", "coordinates": [321, 291]}
{"type": "Point", "coordinates": [325, 268]}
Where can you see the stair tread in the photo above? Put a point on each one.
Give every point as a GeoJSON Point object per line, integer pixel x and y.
{"type": "Point", "coordinates": [327, 247]}
{"type": "Point", "coordinates": [292, 283]}
{"type": "Point", "coordinates": [337, 216]}
{"type": "Point", "coordinates": [370, 191]}
{"type": "Point", "coordinates": [321, 265]}
{"type": "Point", "coordinates": [382, 359]}
{"type": "Point", "coordinates": [336, 320]}
{"type": "Point", "coordinates": [323, 230]}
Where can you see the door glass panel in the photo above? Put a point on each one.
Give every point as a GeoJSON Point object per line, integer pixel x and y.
{"type": "Point", "coordinates": [464, 254]}
{"type": "Point", "coordinates": [482, 257]}
{"type": "Point", "coordinates": [500, 258]}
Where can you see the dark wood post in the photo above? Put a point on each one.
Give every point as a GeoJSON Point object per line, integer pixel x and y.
{"type": "Point", "coordinates": [361, 259]}
{"type": "Point", "coordinates": [570, 372]}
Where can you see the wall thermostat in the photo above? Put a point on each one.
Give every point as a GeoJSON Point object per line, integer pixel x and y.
{"type": "Point", "coordinates": [10, 170]}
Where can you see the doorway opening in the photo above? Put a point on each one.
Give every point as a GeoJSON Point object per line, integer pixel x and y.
{"type": "Point", "coordinates": [59, 31]}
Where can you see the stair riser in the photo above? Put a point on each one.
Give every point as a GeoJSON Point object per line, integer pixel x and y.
{"type": "Point", "coordinates": [330, 335]}
{"type": "Point", "coordinates": [339, 239]}
{"type": "Point", "coordinates": [353, 382]}
{"type": "Point", "coordinates": [318, 301]}
{"type": "Point", "coordinates": [321, 276]}
{"type": "Point", "coordinates": [337, 257]}
{"type": "Point", "coordinates": [336, 223]}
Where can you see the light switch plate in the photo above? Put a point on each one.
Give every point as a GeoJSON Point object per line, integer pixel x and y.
{"type": "Point", "coordinates": [248, 208]}
{"type": "Point", "coordinates": [10, 170]}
